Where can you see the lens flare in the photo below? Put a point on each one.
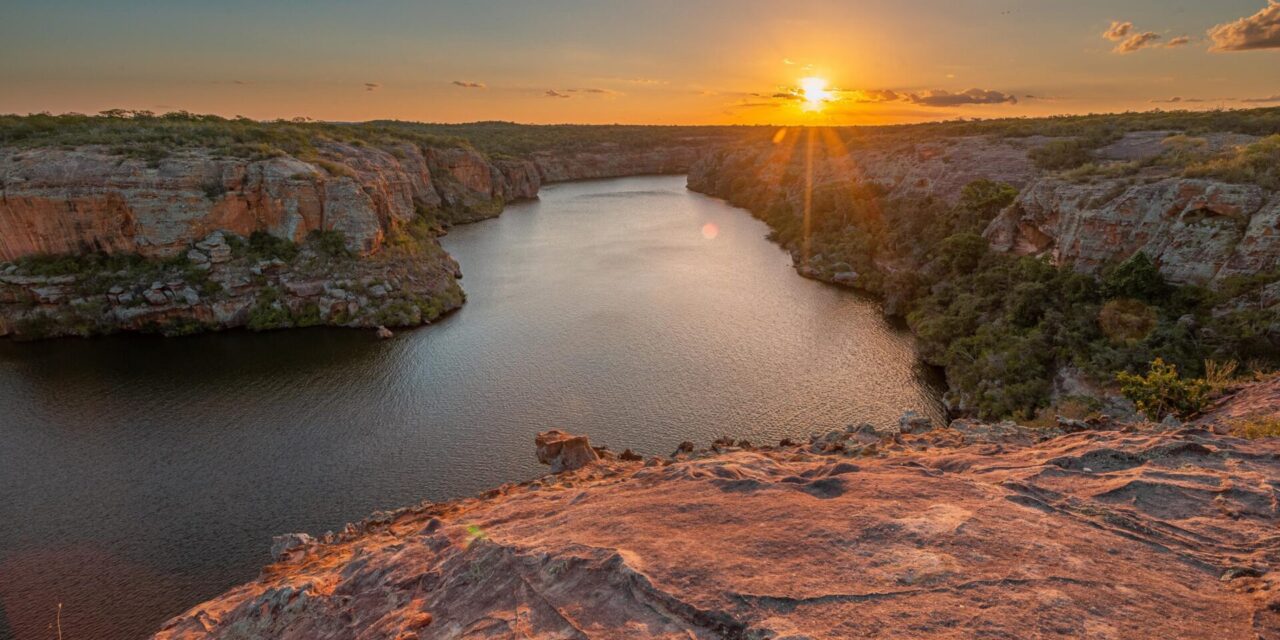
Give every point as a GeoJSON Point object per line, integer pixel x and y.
{"type": "Point", "coordinates": [710, 231]}
{"type": "Point", "coordinates": [814, 92]}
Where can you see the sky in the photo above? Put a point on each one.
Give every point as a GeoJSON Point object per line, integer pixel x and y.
{"type": "Point", "coordinates": [645, 62]}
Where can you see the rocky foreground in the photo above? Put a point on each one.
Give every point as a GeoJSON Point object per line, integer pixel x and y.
{"type": "Point", "coordinates": [1090, 530]}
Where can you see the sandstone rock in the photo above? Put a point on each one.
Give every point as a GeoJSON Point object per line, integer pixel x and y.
{"type": "Point", "coordinates": [913, 422]}
{"type": "Point", "coordinates": [304, 289]}
{"type": "Point", "coordinates": [1128, 534]}
{"type": "Point", "coordinates": [1197, 231]}
{"type": "Point", "coordinates": [847, 278]}
{"type": "Point", "coordinates": [285, 547]}
{"type": "Point", "coordinates": [385, 333]}
{"type": "Point", "coordinates": [155, 297]}
{"type": "Point", "coordinates": [564, 452]}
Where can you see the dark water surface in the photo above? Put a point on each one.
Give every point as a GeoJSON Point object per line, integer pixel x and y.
{"type": "Point", "coordinates": [141, 475]}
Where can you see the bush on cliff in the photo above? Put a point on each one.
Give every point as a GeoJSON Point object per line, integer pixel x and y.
{"type": "Point", "coordinates": [1061, 154]}
{"type": "Point", "coordinates": [1257, 163]}
{"type": "Point", "coordinates": [1162, 392]}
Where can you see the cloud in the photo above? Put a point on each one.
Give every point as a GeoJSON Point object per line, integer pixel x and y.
{"type": "Point", "coordinates": [929, 98]}
{"type": "Point", "coordinates": [1128, 41]}
{"type": "Point", "coordinates": [1117, 31]}
{"type": "Point", "coordinates": [1137, 42]}
{"type": "Point", "coordinates": [865, 96]}
{"type": "Point", "coordinates": [596, 90]}
{"type": "Point", "coordinates": [1258, 31]}
{"type": "Point", "coordinates": [1179, 99]}
{"type": "Point", "coordinates": [372, 86]}
{"type": "Point", "coordinates": [465, 84]}
{"type": "Point", "coordinates": [552, 93]}
{"type": "Point", "coordinates": [943, 98]}
{"type": "Point", "coordinates": [1268, 99]}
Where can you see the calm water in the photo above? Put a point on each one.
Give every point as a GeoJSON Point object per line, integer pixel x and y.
{"type": "Point", "coordinates": [139, 475]}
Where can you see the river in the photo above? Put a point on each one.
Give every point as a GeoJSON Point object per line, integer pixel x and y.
{"type": "Point", "coordinates": [141, 475]}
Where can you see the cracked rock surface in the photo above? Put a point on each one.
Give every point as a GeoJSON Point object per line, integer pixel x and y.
{"type": "Point", "coordinates": [954, 533]}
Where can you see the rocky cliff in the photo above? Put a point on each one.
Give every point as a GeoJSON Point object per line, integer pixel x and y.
{"type": "Point", "coordinates": [937, 168]}
{"type": "Point", "coordinates": [1197, 231]}
{"type": "Point", "coordinates": [187, 216]}
{"type": "Point", "coordinates": [1088, 530]}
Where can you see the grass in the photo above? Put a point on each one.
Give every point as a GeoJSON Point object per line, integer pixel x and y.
{"type": "Point", "coordinates": [1258, 427]}
{"type": "Point", "coordinates": [1257, 163]}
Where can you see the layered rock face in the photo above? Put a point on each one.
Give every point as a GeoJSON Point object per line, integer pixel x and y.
{"type": "Point", "coordinates": [1197, 231]}
{"type": "Point", "coordinates": [1114, 531]}
{"type": "Point", "coordinates": [611, 161]}
{"type": "Point", "coordinates": [90, 200]}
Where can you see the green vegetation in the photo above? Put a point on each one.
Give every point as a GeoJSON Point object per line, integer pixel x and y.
{"type": "Point", "coordinates": [329, 243]}
{"type": "Point", "coordinates": [1257, 163]}
{"type": "Point", "coordinates": [1162, 392]}
{"type": "Point", "coordinates": [1061, 154]}
{"type": "Point", "coordinates": [152, 137]}
{"type": "Point", "coordinates": [264, 246]}
{"type": "Point", "coordinates": [1002, 326]}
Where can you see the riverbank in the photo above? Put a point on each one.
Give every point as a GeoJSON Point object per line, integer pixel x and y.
{"type": "Point", "coordinates": [1031, 275]}
{"type": "Point", "coordinates": [181, 224]}
{"type": "Point", "coordinates": [862, 532]}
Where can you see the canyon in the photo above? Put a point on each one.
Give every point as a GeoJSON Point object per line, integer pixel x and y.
{"type": "Point", "coordinates": [185, 219]}
{"type": "Point", "coordinates": [1196, 230]}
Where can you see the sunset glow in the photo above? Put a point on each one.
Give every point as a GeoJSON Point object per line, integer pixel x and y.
{"type": "Point", "coordinates": [814, 92]}
{"type": "Point", "coordinates": [749, 62]}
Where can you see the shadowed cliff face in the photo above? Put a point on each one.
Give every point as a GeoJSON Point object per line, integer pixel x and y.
{"type": "Point", "coordinates": [1117, 531]}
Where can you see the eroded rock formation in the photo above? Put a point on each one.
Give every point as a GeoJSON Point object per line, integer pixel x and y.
{"type": "Point", "coordinates": [194, 204]}
{"type": "Point", "coordinates": [1197, 231]}
{"type": "Point", "coordinates": [1113, 531]}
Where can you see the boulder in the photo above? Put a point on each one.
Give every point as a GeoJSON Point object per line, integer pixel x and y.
{"type": "Point", "coordinates": [913, 422]}
{"type": "Point", "coordinates": [285, 547]}
{"type": "Point", "coordinates": [564, 452]}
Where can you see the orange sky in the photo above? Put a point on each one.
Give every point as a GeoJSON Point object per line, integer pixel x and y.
{"type": "Point", "coordinates": [692, 62]}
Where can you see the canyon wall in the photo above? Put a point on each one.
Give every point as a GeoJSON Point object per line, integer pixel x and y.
{"type": "Point", "coordinates": [188, 214]}
{"type": "Point", "coordinates": [1196, 230]}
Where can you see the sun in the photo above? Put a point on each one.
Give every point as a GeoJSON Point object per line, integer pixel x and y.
{"type": "Point", "coordinates": [814, 92]}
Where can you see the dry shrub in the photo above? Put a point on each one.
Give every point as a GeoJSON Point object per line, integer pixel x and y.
{"type": "Point", "coordinates": [1127, 321]}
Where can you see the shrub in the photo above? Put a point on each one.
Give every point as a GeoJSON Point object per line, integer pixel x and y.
{"type": "Point", "coordinates": [1162, 392]}
{"type": "Point", "coordinates": [1257, 163]}
{"type": "Point", "coordinates": [1136, 278]}
{"type": "Point", "coordinates": [264, 246]}
{"type": "Point", "coordinates": [1254, 428]}
{"type": "Point", "coordinates": [1060, 154]}
{"type": "Point", "coordinates": [269, 312]}
{"type": "Point", "coordinates": [1127, 321]}
{"type": "Point", "coordinates": [331, 243]}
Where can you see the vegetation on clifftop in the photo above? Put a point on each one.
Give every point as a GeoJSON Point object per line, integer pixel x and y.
{"type": "Point", "coordinates": [150, 136]}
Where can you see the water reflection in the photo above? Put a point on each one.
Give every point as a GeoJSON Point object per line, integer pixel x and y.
{"type": "Point", "coordinates": [157, 470]}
